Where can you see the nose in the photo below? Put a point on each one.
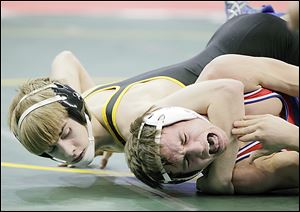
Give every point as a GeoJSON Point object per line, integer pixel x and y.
{"type": "Point", "coordinates": [67, 149]}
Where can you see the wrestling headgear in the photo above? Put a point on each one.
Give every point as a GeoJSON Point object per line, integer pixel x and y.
{"type": "Point", "coordinates": [75, 106]}
{"type": "Point", "coordinates": [164, 117]}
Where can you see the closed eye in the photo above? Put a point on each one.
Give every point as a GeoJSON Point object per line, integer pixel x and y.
{"type": "Point", "coordinates": [66, 132]}
{"type": "Point", "coordinates": [184, 139]}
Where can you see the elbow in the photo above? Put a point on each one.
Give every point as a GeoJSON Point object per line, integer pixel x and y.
{"type": "Point", "coordinates": [64, 53]}
{"type": "Point", "coordinates": [63, 56]}
{"type": "Point", "coordinates": [231, 89]}
{"type": "Point", "coordinates": [225, 187]}
{"type": "Point", "coordinates": [216, 69]}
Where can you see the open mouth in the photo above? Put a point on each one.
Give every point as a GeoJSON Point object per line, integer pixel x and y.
{"type": "Point", "coordinates": [76, 160]}
{"type": "Point", "coordinates": [213, 142]}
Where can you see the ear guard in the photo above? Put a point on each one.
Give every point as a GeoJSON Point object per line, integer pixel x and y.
{"type": "Point", "coordinates": [164, 117]}
{"type": "Point", "coordinates": [75, 106]}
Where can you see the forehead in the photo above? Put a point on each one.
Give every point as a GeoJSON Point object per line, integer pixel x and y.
{"type": "Point", "coordinates": [185, 125]}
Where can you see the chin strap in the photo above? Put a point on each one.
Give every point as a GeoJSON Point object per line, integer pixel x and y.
{"type": "Point", "coordinates": [164, 117]}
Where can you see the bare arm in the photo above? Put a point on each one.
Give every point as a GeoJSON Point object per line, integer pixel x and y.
{"type": "Point", "coordinates": [67, 69]}
{"type": "Point", "coordinates": [277, 171]}
{"type": "Point", "coordinates": [254, 72]}
{"type": "Point", "coordinates": [222, 101]}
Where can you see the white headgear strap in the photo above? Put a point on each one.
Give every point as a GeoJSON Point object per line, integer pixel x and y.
{"type": "Point", "coordinates": [90, 151]}
{"type": "Point", "coordinates": [164, 117]}
{"type": "Point", "coordinates": [89, 155]}
{"type": "Point", "coordinates": [39, 104]}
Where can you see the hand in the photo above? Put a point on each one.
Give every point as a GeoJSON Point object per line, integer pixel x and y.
{"type": "Point", "coordinates": [106, 156]}
{"type": "Point", "coordinates": [274, 133]}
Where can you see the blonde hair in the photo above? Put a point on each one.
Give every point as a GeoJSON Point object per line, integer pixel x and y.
{"type": "Point", "coordinates": [40, 129]}
{"type": "Point", "coordinates": [141, 155]}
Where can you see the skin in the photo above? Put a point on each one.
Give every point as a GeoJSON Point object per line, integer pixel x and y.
{"type": "Point", "coordinates": [293, 15]}
{"type": "Point", "coordinates": [218, 180]}
{"type": "Point", "coordinates": [266, 172]}
{"type": "Point", "coordinates": [273, 132]}
{"type": "Point", "coordinates": [224, 91]}
{"type": "Point", "coordinates": [72, 142]}
{"type": "Point", "coordinates": [188, 149]}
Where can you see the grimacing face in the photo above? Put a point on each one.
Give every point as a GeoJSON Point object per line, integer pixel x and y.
{"type": "Point", "coordinates": [72, 143]}
{"type": "Point", "coordinates": [191, 145]}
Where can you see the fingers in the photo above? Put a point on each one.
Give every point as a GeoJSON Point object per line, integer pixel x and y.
{"type": "Point", "coordinates": [250, 120]}
{"type": "Point", "coordinates": [106, 156]}
{"type": "Point", "coordinates": [249, 137]}
{"type": "Point", "coordinates": [244, 130]}
{"type": "Point", "coordinates": [249, 128]}
{"type": "Point", "coordinates": [62, 165]}
{"type": "Point", "coordinates": [65, 165]}
{"type": "Point", "coordinates": [245, 122]}
{"type": "Point", "coordinates": [103, 163]}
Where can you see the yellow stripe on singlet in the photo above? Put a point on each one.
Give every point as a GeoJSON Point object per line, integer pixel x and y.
{"type": "Point", "coordinates": [103, 111]}
{"type": "Point", "coordinates": [115, 107]}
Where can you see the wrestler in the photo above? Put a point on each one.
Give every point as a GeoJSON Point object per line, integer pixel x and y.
{"type": "Point", "coordinates": [67, 134]}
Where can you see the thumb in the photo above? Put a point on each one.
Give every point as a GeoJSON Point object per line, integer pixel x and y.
{"type": "Point", "coordinates": [258, 153]}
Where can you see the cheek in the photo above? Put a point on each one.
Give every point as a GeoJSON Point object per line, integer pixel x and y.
{"type": "Point", "coordinates": [199, 163]}
{"type": "Point", "coordinates": [81, 136]}
{"type": "Point", "coordinates": [171, 155]}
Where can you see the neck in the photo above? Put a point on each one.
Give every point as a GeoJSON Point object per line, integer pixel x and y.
{"type": "Point", "coordinates": [103, 139]}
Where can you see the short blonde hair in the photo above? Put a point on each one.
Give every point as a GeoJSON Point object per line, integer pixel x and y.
{"type": "Point", "coordinates": [40, 129]}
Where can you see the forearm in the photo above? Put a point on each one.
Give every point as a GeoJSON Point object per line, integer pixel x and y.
{"type": "Point", "coordinates": [293, 138]}
{"type": "Point", "coordinates": [67, 69]}
{"type": "Point", "coordinates": [219, 178]}
{"type": "Point", "coordinates": [277, 171]}
{"type": "Point", "coordinates": [253, 71]}
{"type": "Point", "coordinates": [223, 115]}
{"type": "Point", "coordinates": [279, 76]}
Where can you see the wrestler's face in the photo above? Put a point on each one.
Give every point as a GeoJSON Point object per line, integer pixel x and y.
{"type": "Point", "coordinates": [191, 145]}
{"type": "Point", "coordinates": [72, 142]}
